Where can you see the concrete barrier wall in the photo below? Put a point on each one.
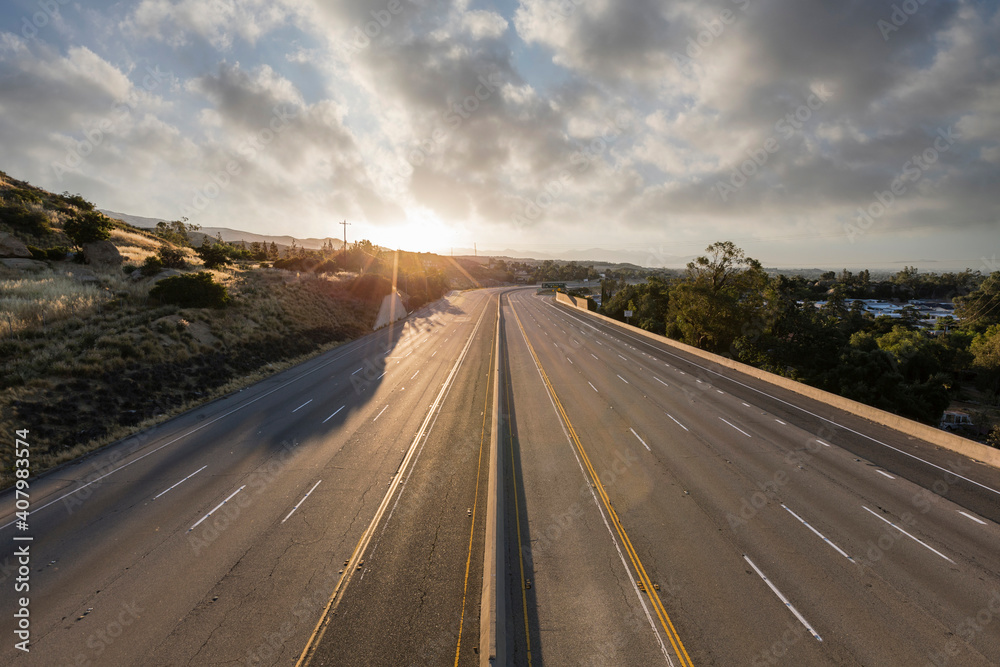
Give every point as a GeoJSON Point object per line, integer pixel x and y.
{"type": "Point", "coordinates": [391, 310]}
{"type": "Point", "coordinates": [492, 611]}
{"type": "Point", "coordinates": [944, 439]}
{"type": "Point", "coordinates": [575, 301]}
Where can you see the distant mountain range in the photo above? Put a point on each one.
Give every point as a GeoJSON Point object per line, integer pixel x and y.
{"type": "Point", "coordinates": [228, 235]}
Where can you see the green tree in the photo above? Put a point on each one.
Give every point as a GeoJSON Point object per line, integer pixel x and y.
{"type": "Point", "coordinates": [980, 308]}
{"type": "Point", "coordinates": [88, 227]}
{"type": "Point", "coordinates": [214, 255]}
{"type": "Point", "coordinates": [721, 292]}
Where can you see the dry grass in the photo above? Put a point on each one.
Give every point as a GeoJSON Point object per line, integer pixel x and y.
{"type": "Point", "coordinates": [79, 358]}
{"type": "Point", "coordinates": [39, 300]}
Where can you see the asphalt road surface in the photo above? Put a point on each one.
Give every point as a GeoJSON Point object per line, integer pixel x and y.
{"type": "Point", "coordinates": [671, 512]}
{"type": "Point", "coordinates": [658, 510]}
{"type": "Point", "coordinates": [221, 536]}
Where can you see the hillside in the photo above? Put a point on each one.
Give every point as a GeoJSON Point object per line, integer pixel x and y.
{"type": "Point", "coordinates": [89, 355]}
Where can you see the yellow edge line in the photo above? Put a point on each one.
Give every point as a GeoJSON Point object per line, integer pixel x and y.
{"type": "Point", "coordinates": [324, 620]}
{"type": "Point", "coordinates": [475, 504]}
{"type": "Point", "coordinates": [661, 612]}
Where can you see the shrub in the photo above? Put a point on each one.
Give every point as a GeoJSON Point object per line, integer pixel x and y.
{"type": "Point", "coordinates": [171, 258]}
{"type": "Point", "coordinates": [151, 266]}
{"type": "Point", "coordinates": [24, 219]}
{"type": "Point", "coordinates": [36, 253]}
{"type": "Point", "coordinates": [196, 290]}
{"type": "Point", "coordinates": [213, 255]}
{"type": "Point", "coordinates": [88, 227]}
{"type": "Point", "coordinates": [56, 253]}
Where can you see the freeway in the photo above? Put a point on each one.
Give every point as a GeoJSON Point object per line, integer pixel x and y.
{"type": "Point", "coordinates": [278, 525]}
{"type": "Point", "coordinates": [667, 511]}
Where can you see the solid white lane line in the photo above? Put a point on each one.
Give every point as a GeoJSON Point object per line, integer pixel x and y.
{"type": "Point", "coordinates": [661, 381]}
{"type": "Point", "coordinates": [593, 387]}
{"type": "Point", "coordinates": [216, 507]}
{"type": "Point", "coordinates": [301, 501]}
{"type": "Point", "coordinates": [358, 371]}
{"type": "Point", "coordinates": [737, 428]}
{"type": "Point", "coordinates": [885, 473]}
{"type": "Point", "coordinates": [781, 597]}
{"type": "Point", "coordinates": [967, 515]}
{"type": "Point", "coordinates": [676, 422]}
{"type": "Point", "coordinates": [414, 375]}
{"type": "Point", "coordinates": [915, 539]}
{"type": "Point", "coordinates": [303, 405]}
{"type": "Point", "coordinates": [332, 416]}
{"type": "Point", "coordinates": [640, 440]}
{"type": "Point", "coordinates": [380, 412]}
{"type": "Point", "coordinates": [622, 379]}
{"type": "Point", "coordinates": [781, 422]}
{"type": "Point", "coordinates": [182, 481]}
{"type": "Point", "coordinates": [819, 534]}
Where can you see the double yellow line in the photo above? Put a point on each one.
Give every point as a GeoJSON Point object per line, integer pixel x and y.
{"type": "Point", "coordinates": [646, 582]}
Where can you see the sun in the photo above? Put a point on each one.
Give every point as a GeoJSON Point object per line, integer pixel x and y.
{"type": "Point", "coordinates": [423, 232]}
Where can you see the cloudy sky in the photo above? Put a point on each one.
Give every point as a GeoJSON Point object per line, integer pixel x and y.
{"type": "Point", "coordinates": [839, 133]}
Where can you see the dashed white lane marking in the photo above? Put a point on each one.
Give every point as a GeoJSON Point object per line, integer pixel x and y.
{"type": "Point", "coordinates": [414, 375]}
{"type": "Point", "coordinates": [570, 360]}
{"type": "Point", "coordinates": [334, 414]}
{"type": "Point", "coordinates": [746, 404]}
{"type": "Point", "coordinates": [380, 412]}
{"type": "Point", "coordinates": [216, 507]}
{"type": "Point", "coordinates": [885, 473]}
{"type": "Point", "coordinates": [720, 391]}
{"type": "Point", "coordinates": [677, 422]}
{"type": "Point", "coordinates": [822, 443]}
{"type": "Point", "coordinates": [915, 539]}
{"type": "Point", "coordinates": [736, 427]}
{"type": "Point", "coordinates": [781, 422]}
{"type": "Point", "coordinates": [661, 381]}
{"type": "Point", "coordinates": [303, 405]}
{"type": "Point", "coordinates": [641, 440]}
{"type": "Point", "coordinates": [181, 482]}
{"type": "Point", "coordinates": [781, 597]}
{"type": "Point", "coordinates": [593, 387]}
{"type": "Point", "coordinates": [433, 353]}
{"type": "Point", "coordinates": [622, 357]}
{"type": "Point", "coordinates": [358, 371]}
{"type": "Point", "coordinates": [969, 516]}
{"type": "Point", "coordinates": [819, 534]}
{"type": "Point", "coordinates": [301, 501]}
{"type": "Point", "coordinates": [623, 379]}
{"type": "Point", "coordinates": [594, 356]}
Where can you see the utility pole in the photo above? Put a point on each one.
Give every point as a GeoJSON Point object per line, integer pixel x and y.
{"type": "Point", "coordinates": [345, 223]}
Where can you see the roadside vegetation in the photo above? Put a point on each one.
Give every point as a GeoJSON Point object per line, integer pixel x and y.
{"type": "Point", "coordinates": [728, 304]}
{"type": "Point", "coordinates": [92, 353]}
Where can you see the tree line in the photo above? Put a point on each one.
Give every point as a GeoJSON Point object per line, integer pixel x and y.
{"type": "Point", "coordinates": [728, 304]}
